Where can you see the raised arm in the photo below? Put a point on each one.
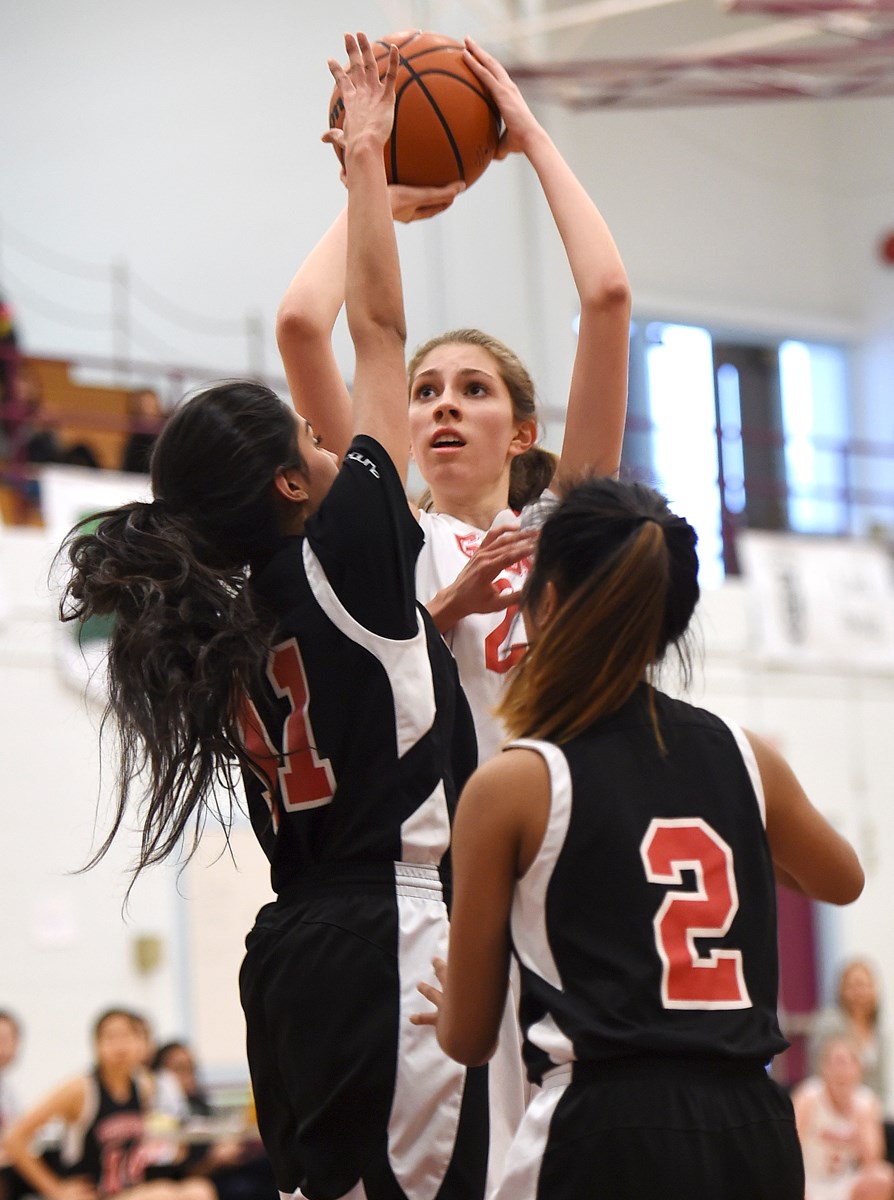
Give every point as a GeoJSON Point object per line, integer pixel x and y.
{"type": "Point", "coordinates": [373, 293]}
{"type": "Point", "coordinates": [808, 854]}
{"type": "Point", "coordinates": [304, 323]}
{"type": "Point", "coordinates": [310, 307]}
{"type": "Point", "coordinates": [597, 401]}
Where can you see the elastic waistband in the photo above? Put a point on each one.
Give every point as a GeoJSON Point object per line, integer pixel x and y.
{"type": "Point", "coordinates": [405, 878]}
{"type": "Point", "coordinates": [418, 880]}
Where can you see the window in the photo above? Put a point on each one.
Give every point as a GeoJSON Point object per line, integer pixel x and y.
{"type": "Point", "coordinates": [738, 433]}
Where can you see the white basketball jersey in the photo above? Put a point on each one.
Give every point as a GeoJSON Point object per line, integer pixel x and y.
{"type": "Point", "coordinates": [485, 645]}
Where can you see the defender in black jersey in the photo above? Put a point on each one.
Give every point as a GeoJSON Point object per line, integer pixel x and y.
{"type": "Point", "coordinates": [625, 846]}
{"type": "Point", "coordinates": [266, 614]}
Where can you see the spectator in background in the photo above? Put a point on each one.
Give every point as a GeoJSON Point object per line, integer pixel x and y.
{"type": "Point", "coordinates": [11, 1183]}
{"type": "Point", "coordinates": [104, 1151]}
{"type": "Point", "coordinates": [235, 1164]}
{"type": "Point", "coordinates": [33, 428]}
{"type": "Point", "coordinates": [168, 1095]}
{"type": "Point", "coordinates": [855, 1015]}
{"type": "Point", "coordinates": [839, 1122]}
{"type": "Point", "coordinates": [146, 419]}
{"type": "Point", "coordinates": [9, 359]}
{"type": "Point", "coordinates": [10, 1034]}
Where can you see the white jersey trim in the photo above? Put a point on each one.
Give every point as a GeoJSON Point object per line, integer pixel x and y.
{"type": "Point", "coordinates": [406, 661]}
{"type": "Point", "coordinates": [754, 774]}
{"type": "Point", "coordinates": [528, 917]}
{"type": "Point", "coordinates": [425, 835]}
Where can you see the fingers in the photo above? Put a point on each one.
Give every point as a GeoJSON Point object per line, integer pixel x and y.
{"type": "Point", "coordinates": [483, 64]}
{"type": "Point", "coordinates": [338, 73]}
{"type": "Point", "coordinates": [504, 146]}
{"type": "Point", "coordinates": [503, 549]}
{"type": "Point", "coordinates": [354, 51]}
{"type": "Point", "coordinates": [440, 967]}
{"type": "Point", "coordinates": [418, 203]}
{"type": "Point", "coordinates": [431, 993]}
{"type": "Point", "coordinates": [389, 79]}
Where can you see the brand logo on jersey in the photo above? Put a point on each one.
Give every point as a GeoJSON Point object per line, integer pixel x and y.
{"type": "Point", "coordinates": [468, 543]}
{"type": "Point", "coordinates": [365, 462]}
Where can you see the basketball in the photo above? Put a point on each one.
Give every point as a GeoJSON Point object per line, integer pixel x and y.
{"type": "Point", "coordinates": [446, 126]}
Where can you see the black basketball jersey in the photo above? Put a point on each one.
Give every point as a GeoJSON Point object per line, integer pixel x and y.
{"type": "Point", "coordinates": [106, 1144]}
{"type": "Point", "coordinates": [646, 925]}
{"type": "Point", "coordinates": [362, 736]}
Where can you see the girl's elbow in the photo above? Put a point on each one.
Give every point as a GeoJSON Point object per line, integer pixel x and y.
{"type": "Point", "coordinates": [611, 294]}
{"type": "Point", "coordinates": [852, 887]}
{"type": "Point", "coordinates": [843, 888]}
{"type": "Point", "coordinates": [296, 321]}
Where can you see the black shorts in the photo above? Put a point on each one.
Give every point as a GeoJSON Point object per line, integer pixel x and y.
{"type": "Point", "coordinates": [353, 1100]}
{"type": "Point", "coordinates": [657, 1129]}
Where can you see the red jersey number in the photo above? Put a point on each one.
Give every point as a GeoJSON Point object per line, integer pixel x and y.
{"type": "Point", "coordinates": [297, 775]}
{"type": "Point", "coordinates": [689, 979]}
{"type": "Point", "coordinates": [501, 652]}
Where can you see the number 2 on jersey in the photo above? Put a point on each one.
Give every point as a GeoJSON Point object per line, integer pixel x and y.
{"type": "Point", "coordinates": [297, 775]}
{"type": "Point", "coordinates": [690, 979]}
{"type": "Point", "coordinates": [500, 653]}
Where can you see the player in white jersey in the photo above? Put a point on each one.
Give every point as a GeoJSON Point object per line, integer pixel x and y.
{"type": "Point", "coordinates": [473, 421]}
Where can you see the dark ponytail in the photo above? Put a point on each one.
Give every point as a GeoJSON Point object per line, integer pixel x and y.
{"type": "Point", "coordinates": [625, 570]}
{"type": "Point", "coordinates": [188, 642]}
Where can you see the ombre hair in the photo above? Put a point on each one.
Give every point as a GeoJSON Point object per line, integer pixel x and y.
{"type": "Point", "coordinates": [626, 575]}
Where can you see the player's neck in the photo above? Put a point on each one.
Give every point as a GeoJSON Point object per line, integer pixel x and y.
{"type": "Point", "coordinates": [117, 1081]}
{"type": "Point", "coordinates": [477, 511]}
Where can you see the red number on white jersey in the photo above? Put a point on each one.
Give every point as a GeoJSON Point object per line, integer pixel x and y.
{"type": "Point", "coordinates": [501, 651]}
{"type": "Point", "coordinates": [690, 980]}
{"type": "Point", "coordinates": [304, 780]}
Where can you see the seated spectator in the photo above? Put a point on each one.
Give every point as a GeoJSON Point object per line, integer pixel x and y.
{"type": "Point", "coordinates": [839, 1122]}
{"type": "Point", "coordinates": [168, 1096]}
{"type": "Point", "coordinates": [237, 1164]}
{"type": "Point", "coordinates": [9, 361]}
{"type": "Point", "coordinates": [12, 1186]}
{"type": "Point", "coordinates": [34, 426]}
{"type": "Point", "coordinates": [146, 419]}
{"type": "Point", "coordinates": [105, 1151]}
{"type": "Point", "coordinates": [855, 1014]}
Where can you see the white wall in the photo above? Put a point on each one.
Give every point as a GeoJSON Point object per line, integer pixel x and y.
{"type": "Point", "coordinates": [183, 139]}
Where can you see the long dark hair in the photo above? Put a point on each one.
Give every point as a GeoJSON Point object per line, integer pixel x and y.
{"type": "Point", "coordinates": [188, 641]}
{"type": "Point", "coordinates": [626, 573]}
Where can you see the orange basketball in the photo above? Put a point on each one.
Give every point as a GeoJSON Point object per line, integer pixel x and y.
{"type": "Point", "coordinates": [446, 126]}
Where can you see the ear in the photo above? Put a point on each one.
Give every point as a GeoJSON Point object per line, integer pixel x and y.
{"type": "Point", "coordinates": [291, 485]}
{"type": "Point", "coordinates": [524, 438]}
